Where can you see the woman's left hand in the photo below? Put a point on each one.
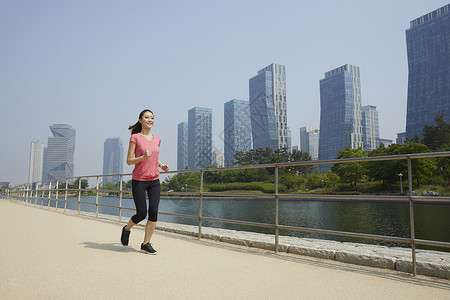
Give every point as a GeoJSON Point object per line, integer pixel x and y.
{"type": "Point", "coordinates": [165, 168]}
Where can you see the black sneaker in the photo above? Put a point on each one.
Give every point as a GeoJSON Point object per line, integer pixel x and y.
{"type": "Point", "coordinates": [125, 236]}
{"type": "Point", "coordinates": [147, 248]}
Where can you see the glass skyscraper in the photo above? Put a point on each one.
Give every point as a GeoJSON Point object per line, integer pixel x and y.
{"type": "Point", "coordinates": [237, 129]}
{"type": "Point", "coordinates": [36, 161]}
{"type": "Point", "coordinates": [340, 111]}
{"type": "Point", "coordinates": [60, 152]}
{"type": "Point", "coordinates": [309, 141]}
{"type": "Point", "coordinates": [268, 109]}
{"type": "Point", "coordinates": [428, 46]}
{"type": "Point", "coordinates": [112, 159]}
{"type": "Point", "coordinates": [370, 127]}
{"type": "Point", "coordinates": [182, 151]}
{"type": "Point", "coordinates": [199, 137]}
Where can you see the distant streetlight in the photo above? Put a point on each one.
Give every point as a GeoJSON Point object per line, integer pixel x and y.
{"type": "Point", "coordinates": [322, 185]}
{"type": "Point", "coordinates": [401, 185]}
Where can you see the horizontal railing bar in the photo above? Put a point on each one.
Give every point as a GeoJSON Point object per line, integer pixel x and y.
{"type": "Point", "coordinates": [432, 243]}
{"type": "Point", "coordinates": [347, 234]}
{"type": "Point", "coordinates": [239, 222]}
{"type": "Point", "coordinates": [178, 215]}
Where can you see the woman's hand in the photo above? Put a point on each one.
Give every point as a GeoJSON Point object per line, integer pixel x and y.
{"type": "Point", "coordinates": [165, 168]}
{"type": "Point", "coordinates": [147, 154]}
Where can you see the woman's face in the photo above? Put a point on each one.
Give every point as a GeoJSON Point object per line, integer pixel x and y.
{"type": "Point", "coordinates": [147, 120]}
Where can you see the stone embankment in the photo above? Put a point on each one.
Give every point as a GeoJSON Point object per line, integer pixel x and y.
{"type": "Point", "coordinates": [429, 263]}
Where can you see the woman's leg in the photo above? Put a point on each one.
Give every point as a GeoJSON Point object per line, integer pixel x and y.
{"type": "Point", "coordinates": [153, 191]}
{"type": "Point", "coordinates": [149, 229]}
{"type": "Point", "coordinates": [129, 225]}
{"type": "Point", "coordinates": [138, 188]}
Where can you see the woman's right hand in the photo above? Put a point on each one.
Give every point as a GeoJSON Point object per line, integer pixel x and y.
{"type": "Point", "coordinates": [147, 154]}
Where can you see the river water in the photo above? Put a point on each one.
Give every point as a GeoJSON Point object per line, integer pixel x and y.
{"type": "Point", "coordinates": [432, 222]}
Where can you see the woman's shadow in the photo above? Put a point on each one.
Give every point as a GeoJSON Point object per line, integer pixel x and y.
{"type": "Point", "coordinates": [116, 247]}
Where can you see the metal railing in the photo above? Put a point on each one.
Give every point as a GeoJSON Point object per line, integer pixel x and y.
{"type": "Point", "coordinates": [27, 193]}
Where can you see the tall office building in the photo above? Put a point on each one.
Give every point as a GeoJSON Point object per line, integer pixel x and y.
{"type": "Point", "coordinates": [60, 152]}
{"type": "Point", "coordinates": [268, 109]}
{"type": "Point", "coordinates": [36, 161]}
{"type": "Point", "coordinates": [428, 46]}
{"type": "Point", "coordinates": [340, 111]}
{"type": "Point", "coordinates": [199, 137]}
{"type": "Point", "coordinates": [112, 159]}
{"type": "Point", "coordinates": [237, 129]}
{"type": "Point", "coordinates": [182, 151]}
{"type": "Point", "coordinates": [309, 141]}
{"type": "Point", "coordinates": [370, 127]}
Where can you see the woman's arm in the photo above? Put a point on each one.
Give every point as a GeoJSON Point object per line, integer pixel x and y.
{"type": "Point", "coordinates": [131, 160]}
{"type": "Point", "coordinates": [163, 166]}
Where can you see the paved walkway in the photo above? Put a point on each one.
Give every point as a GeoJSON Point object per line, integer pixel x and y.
{"type": "Point", "coordinates": [49, 255]}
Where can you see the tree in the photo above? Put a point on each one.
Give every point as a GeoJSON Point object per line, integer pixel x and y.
{"type": "Point", "coordinates": [76, 183]}
{"type": "Point", "coordinates": [437, 137]}
{"type": "Point", "coordinates": [422, 168]}
{"type": "Point", "coordinates": [298, 156]}
{"type": "Point", "coordinates": [350, 172]}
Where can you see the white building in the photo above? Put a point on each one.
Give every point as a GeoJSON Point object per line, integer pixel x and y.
{"type": "Point", "coordinates": [36, 161]}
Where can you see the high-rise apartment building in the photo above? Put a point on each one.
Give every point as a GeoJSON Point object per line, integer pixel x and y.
{"type": "Point", "coordinates": [199, 137]}
{"type": "Point", "coordinates": [268, 109]}
{"type": "Point", "coordinates": [60, 152]}
{"type": "Point", "coordinates": [370, 127]}
{"type": "Point", "coordinates": [217, 158]}
{"type": "Point", "coordinates": [428, 46]}
{"type": "Point", "coordinates": [401, 138]}
{"type": "Point", "coordinates": [36, 161]}
{"type": "Point", "coordinates": [237, 129]}
{"type": "Point", "coordinates": [112, 159]}
{"type": "Point", "coordinates": [182, 149]}
{"type": "Point", "coordinates": [340, 111]}
{"type": "Point", "coordinates": [309, 141]}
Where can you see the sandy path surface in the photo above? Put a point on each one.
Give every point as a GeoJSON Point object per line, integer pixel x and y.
{"type": "Point", "coordinates": [49, 255]}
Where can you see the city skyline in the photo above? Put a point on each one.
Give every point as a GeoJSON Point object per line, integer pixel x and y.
{"type": "Point", "coordinates": [106, 71]}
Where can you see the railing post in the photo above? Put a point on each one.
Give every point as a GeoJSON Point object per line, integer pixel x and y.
{"type": "Point", "coordinates": [36, 192]}
{"type": "Point", "coordinates": [200, 206]}
{"type": "Point", "coordinates": [42, 195]}
{"type": "Point", "coordinates": [57, 192]}
{"type": "Point", "coordinates": [96, 199]}
{"type": "Point", "coordinates": [79, 195]}
{"type": "Point", "coordinates": [65, 195]}
{"type": "Point", "coordinates": [276, 211]}
{"type": "Point", "coordinates": [411, 217]}
{"type": "Point", "coordinates": [27, 193]}
{"type": "Point", "coordinates": [49, 194]}
{"type": "Point", "coordinates": [31, 193]}
{"type": "Point", "coordinates": [120, 197]}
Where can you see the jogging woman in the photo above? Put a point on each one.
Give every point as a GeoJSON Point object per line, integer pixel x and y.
{"type": "Point", "coordinates": [143, 152]}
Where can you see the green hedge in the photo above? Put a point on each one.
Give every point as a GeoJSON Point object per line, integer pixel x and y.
{"type": "Point", "coordinates": [265, 187]}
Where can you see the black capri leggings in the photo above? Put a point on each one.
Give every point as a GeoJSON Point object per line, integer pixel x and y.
{"type": "Point", "coordinates": [153, 190]}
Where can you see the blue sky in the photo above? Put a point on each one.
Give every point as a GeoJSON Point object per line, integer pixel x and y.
{"type": "Point", "coordinates": [96, 64]}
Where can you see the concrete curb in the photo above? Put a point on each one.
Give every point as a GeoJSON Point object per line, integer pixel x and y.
{"type": "Point", "coordinates": [429, 263]}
